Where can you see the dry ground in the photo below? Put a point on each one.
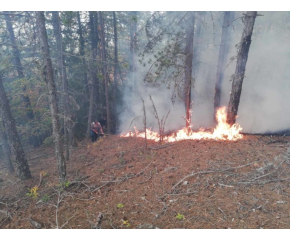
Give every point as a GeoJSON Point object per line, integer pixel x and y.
{"type": "Point", "coordinates": [208, 184]}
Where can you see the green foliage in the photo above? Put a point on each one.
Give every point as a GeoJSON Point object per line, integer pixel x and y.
{"type": "Point", "coordinates": [120, 205]}
{"type": "Point", "coordinates": [126, 223]}
{"type": "Point", "coordinates": [64, 185]}
{"type": "Point", "coordinates": [33, 192]}
{"type": "Point", "coordinates": [180, 216]}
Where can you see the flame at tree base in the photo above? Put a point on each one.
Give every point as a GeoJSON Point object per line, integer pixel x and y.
{"type": "Point", "coordinates": [222, 131]}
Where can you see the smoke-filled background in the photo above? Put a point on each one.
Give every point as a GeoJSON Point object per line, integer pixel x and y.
{"type": "Point", "coordinates": [266, 87]}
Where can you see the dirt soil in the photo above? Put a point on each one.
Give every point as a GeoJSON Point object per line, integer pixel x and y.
{"type": "Point", "coordinates": [117, 183]}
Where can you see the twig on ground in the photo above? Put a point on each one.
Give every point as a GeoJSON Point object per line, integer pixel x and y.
{"type": "Point", "coordinates": [101, 186]}
{"type": "Point", "coordinates": [207, 172]}
{"type": "Point", "coordinates": [225, 216]}
{"type": "Point", "coordinates": [68, 220]}
{"type": "Point", "coordinates": [99, 221]}
{"type": "Point", "coordinates": [223, 185]}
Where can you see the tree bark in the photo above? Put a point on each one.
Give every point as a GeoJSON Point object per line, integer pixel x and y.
{"type": "Point", "coordinates": [47, 72]}
{"type": "Point", "coordinates": [22, 167]}
{"type": "Point", "coordinates": [249, 21]}
{"type": "Point", "coordinates": [82, 53]}
{"type": "Point", "coordinates": [20, 72]}
{"type": "Point", "coordinates": [100, 87]}
{"type": "Point", "coordinates": [67, 122]}
{"type": "Point", "coordinates": [93, 83]}
{"type": "Point", "coordinates": [223, 51]}
{"type": "Point", "coordinates": [116, 66]}
{"type": "Point", "coordinates": [189, 35]}
{"type": "Point", "coordinates": [133, 48]}
{"type": "Point", "coordinates": [105, 72]}
{"type": "Point", "coordinates": [196, 49]}
{"type": "Point", "coordinates": [7, 151]}
{"type": "Point", "coordinates": [18, 66]}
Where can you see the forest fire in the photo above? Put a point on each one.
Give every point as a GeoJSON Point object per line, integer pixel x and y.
{"type": "Point", "coordinates": [222, 131]}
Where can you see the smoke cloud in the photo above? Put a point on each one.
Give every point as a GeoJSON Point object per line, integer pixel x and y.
{"type": "Point", "coordinates": [265, 95]}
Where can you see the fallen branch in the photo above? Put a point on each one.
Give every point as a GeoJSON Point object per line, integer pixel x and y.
{"type": "Point", "coordinates": [225, 216]}
{"type": "Point", "coordinates": [68, 220]}
{"type": "Point", "coordinates": [99, 221]}
{"type": "Point", "coordinates": [101, 186]}
{"type": "Point", "coordinates": [207, 172]}
{"type": "Point", "coordinates": [174, 194]}
{"type": "Point", "coordinates": [223, 185]}
{"type": "Point", "coordinates": [265, 182]}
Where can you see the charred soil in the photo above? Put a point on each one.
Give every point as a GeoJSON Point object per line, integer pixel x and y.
{"type": "Point", "coordinates": [117, 183]}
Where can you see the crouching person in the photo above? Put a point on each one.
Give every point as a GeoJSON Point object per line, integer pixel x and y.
{"type": "Point", "coordinates": [93, 133]}
{"type": "Point", "coordinates": [96, 131]}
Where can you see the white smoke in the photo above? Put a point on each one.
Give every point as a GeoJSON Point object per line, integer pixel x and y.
{"type": "Point", "coordinates": [265, 94]}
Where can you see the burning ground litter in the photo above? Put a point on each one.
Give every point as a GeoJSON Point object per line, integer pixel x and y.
{"type": "Point", "coordinates": [222, 131]}
{"type": "Point", "coordinates": [184, 184]}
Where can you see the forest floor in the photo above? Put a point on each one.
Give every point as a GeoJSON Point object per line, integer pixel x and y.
{"type": "Point", "coordinates": [117, 183]}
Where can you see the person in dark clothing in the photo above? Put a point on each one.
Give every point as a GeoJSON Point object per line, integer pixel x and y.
{"type": "Point", "coordinates": [96, 131]}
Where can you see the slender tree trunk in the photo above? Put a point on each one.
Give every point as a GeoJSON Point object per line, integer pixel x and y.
{"type": "Point", "coordinates": [99, 88]}
{"type": "Point", "coordinates": [22, 167]}
{"type": "Point", "coordinates": [249, 21]}
{"type": "Point", "coordinates": [47, 72]}
{"type": "Point", "coordinates": [189, 35]}
{"type": "Point", "coordinates": [18, 65]}
{"type": "Point", "coordinates": [6, 150]}
{"type": "Point", "coordinates": [20, 72]}
{"type": "Point", "coordinates": [82, 53]}
{"type": "Point", "coordinates": [105, 72]}
{"type": "Point", "coordinates": [223, 51]}
{"type": "Point", "coordinates": [133, 48]}
{"type": "Point", "coordinates": [93, 71]}
{"type": "Point", "coordinates": [116, 66]}
{"type": "Point", "coordinates": [196, 49]}
{"type": "Point", "coordinates": [67, 123]}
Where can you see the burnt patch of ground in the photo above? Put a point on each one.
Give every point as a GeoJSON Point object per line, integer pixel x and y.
{"type": "Point", "coordinates": [187, 184]}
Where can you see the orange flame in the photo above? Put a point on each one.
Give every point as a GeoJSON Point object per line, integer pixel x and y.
{"type": "Point", "coordinates": [222, 131]}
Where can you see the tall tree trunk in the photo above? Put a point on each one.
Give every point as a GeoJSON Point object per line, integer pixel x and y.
{"type": "Point", "coordinates": [189, 34]}
{"type": "Point", "coordinates": [105, 72]}
{"type": "Point", "coordinates": [6, 151]}
{"type": "Point", "coordinates": [116, 66]}
{"type": "Point", "coordinates": [99, 89]}
{"type": "Point", "coordinates": [67, 123]}
{"type": "Point", "coordinates": [82, 53]}
{"type": "Point", "coordinates": [249, 21]}
{"type": "Point", "coordinates": [93, 83]}
{"type": "Point", "coordinates": [133, 48]}
{"type": "Point", "coordinates": [22, 167]}
{"type": "Point", "coordinates": [47, 72]}
{"type": "Point", "coordinates": [223, 51]}
{"type": "Point", "coordinates": [18, 66]}
{"type": "Point", "coordinates": [196, 48]}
